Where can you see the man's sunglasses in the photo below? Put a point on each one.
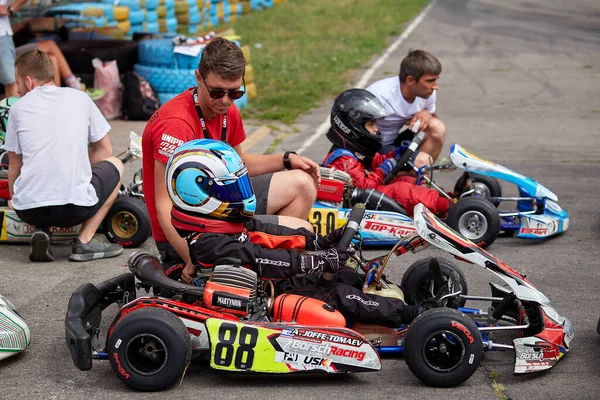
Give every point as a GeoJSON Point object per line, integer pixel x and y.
{"type": "Point", "coordinates": [219, 93]}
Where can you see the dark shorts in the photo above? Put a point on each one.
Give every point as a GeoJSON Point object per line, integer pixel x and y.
{"type": "Point", "coordinates": [261, 185]}
{"type": "Point", "coordinates": [105, 178]}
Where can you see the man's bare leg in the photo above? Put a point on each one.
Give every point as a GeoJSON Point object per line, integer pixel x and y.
{"type": "Point", "coordinates": [291, 196]}
{"type": "Point", "coordinates": [435, 135]}
{"type": "Point", "coordinates": [50, 47]}
{"type": "Point", "coordinates": [89, 227]}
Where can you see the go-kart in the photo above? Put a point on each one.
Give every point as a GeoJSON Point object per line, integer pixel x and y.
{"type": "Point", "coordinates": [14, 332]}
{"type": "Point", "coordinates": [126, 223]}
{"type": "Point", "coordinates": [236, 321]}
{"type": "Point", "coordinates": [537, 215]}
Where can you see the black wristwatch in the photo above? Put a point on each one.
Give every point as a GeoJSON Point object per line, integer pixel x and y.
{"type": "Point", "coordinates": [10, 10]}
{"type": "Point", "coordinates": [286, 159]}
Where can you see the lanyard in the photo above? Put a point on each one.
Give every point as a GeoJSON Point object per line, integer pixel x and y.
{"type": "Point", "coordinates": [201, 117]}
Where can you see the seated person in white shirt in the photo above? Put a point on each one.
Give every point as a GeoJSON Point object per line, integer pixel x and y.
{"type": "Point", "coordinates": [409, 99]}
{"type": "Point", "coordinates": [61, 170]}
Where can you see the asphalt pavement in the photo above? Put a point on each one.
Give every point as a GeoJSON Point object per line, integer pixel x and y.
{"type": "Point", "coordinates": [519, 86]}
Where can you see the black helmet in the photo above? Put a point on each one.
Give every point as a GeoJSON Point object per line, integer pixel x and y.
{"type": "Point", "coordinates": [351, 110]}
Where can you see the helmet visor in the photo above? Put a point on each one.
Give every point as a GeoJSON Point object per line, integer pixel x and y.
{"type": "Point", "coordinates": [372, 109]}
{"type": "Point", "coordinates": [232, 188]}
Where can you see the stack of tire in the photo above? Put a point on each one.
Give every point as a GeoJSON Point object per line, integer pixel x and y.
{"type": "Point", "coordinates": [98, 15]}
{"type": "Point", "coordinates": [189, 17]}
{"type": "Point", "coordinates": [252, 5]}
{"type": "Point", "coordinates": [171, 73]}
{"type": "Point", "coordinates": [166, 16]}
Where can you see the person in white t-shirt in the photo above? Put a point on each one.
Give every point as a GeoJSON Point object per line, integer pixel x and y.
{"type": "Point", "coordinates": [61, 170]}
{"type": "Point", "coordinates": [7, 47]}
{"type": "Point", "coordinates": [409, 99]}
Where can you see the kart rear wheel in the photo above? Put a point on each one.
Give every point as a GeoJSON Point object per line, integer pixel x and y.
{"type": "Point", "coordinates": [417, 280]}
{"type": "Point", "coordinates": [475, 219]}
{"type": "Point", "coordinates": [149, 349]}
{"type": "Point", "coordinates": [443, 347]}
{"type": "Point", "coordinates": [127, 222]}
{"type": "Point", "coordinates": [485, 187]}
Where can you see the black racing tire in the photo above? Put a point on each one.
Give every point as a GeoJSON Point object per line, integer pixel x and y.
{"type": "Point", "coordinates": [149, 349]}
{"type": "Point", "coordinates": [475, 219]}
{"type": "Point", "coordinates": [127, 222]}
{"type": "Point", "coordinates": [443, 347]}
{"type": "Point", "coordinates": [416, 281]}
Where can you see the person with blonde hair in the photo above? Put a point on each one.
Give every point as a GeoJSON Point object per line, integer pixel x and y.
{"type": "Point", "coordinates": [61, 170]}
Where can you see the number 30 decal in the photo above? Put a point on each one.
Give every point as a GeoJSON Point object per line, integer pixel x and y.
{"type": "Point", "coordinates": [226, 350]}
{"type": "Point", "coordinates": [326, 226]}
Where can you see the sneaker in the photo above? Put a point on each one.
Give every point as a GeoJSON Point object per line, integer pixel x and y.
{"type": "Point", "coordinates": [95, 94]}
{"type": "Point", "coordinates": [40, 246]}
{"type": "Point", "coordinates": [94, 250]}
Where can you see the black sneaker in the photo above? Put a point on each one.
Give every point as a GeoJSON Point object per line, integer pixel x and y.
{"type": "Point", "coordinates": [94, 250]}
{"type": "Point", "coordinates": [40, 246]}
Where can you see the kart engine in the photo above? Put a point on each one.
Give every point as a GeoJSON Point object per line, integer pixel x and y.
{"type": "Point", "coordinates": [231, 289]}
{"type": "Point", "coordinates": [333, 187]}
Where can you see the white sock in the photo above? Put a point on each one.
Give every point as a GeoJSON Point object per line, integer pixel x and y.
{"type": "Point", "coordinates": [73, 81]}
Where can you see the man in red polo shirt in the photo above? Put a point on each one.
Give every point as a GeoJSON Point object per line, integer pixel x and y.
{"type": "Point", "coordinates": [207, 111]}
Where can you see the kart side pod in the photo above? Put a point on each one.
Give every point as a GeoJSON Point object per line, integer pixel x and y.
{"type": "Point", "coordinates": [306, 310]}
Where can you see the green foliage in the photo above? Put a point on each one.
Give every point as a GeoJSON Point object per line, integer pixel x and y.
{"type": "Point", "coordinates": [305, 50]}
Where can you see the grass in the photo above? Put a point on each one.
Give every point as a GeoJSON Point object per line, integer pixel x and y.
{"type": "Point", "coordinates": [309, 48]}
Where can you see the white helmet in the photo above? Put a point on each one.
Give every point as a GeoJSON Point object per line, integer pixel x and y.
{"type": "Point", "coordinates": [14, 332]}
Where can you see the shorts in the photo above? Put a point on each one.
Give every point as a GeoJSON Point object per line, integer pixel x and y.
{"type": "Point", "coordinates": [261, 185]}
{"type": "Point", "coordinates": [19, 51]}
{"type": "Point", "coordinates": [105, 178]}
{"type": "Point", "coordinates": [7, 60]}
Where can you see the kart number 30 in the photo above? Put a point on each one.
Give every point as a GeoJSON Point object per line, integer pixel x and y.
{"type": "Point", "coordinates": [234, 348]}
{"type": "Point", "coordinates": [324, 221]}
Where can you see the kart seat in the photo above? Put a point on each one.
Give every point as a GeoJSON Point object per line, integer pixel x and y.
{"type": "Point", "coordinates": [149, 271]}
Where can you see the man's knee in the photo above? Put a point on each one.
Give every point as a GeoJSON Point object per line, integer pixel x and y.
{"type": "Point", "coordinates": [436, 130]}
{"type": "Point", "coordinates": [423, 159]}
{"type": "Point", "coordinates": [305, 185]}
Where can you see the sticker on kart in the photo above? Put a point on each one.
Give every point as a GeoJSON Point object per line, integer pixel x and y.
{"type": "Point", "coordinates": [375, 226]}
{"type": "Point", "coordinates": [276, 348]}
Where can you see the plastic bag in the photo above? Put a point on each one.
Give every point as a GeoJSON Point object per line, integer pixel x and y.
{"type": "Point", "coordinates": [106, 76]}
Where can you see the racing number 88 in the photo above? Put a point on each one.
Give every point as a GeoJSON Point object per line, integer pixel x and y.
{"type": "Point", "coordinates": [247, 342]}
{"type": "Point", "coordinates": [329, 222]}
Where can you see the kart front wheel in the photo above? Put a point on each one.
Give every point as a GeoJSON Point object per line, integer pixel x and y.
{"type": "Point", "coordinates": [443, 347]}
{"type": "Point", "coordinates": [475, 219]}
{"type": "Point", "coordinates": [149, 349]}
{"type": "Point", "coordinates": [127, 222]}
{"type": "Point", "coordinates": [419, 285]}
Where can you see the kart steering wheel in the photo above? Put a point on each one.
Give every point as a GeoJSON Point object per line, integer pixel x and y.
{"type": "Point", "coordinates": [409, 152]}
{"type": "Point", "coordinates": [354, 219]}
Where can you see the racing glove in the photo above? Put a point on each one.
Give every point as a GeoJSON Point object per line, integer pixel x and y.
{"type": "Point", "coordinates": [329, 261]}
{"type": "Point", "coordinates": [324, 242]}
{"type": "Point", "coordinates": [387, 166]}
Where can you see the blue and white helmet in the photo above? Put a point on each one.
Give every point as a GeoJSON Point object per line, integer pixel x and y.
{"type": "Point", "coordinates": [207, 178]}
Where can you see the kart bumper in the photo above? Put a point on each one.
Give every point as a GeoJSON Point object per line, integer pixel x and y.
{"type": "Point", "coordinates": [84, 314]}
{"type": "Point", "coordinates": [553, 221]}
{"type": "Point", "coordinates": [544, 350]}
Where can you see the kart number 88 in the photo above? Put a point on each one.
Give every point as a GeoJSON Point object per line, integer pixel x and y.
{"type": "Point", "coordinates": [231, 348]}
